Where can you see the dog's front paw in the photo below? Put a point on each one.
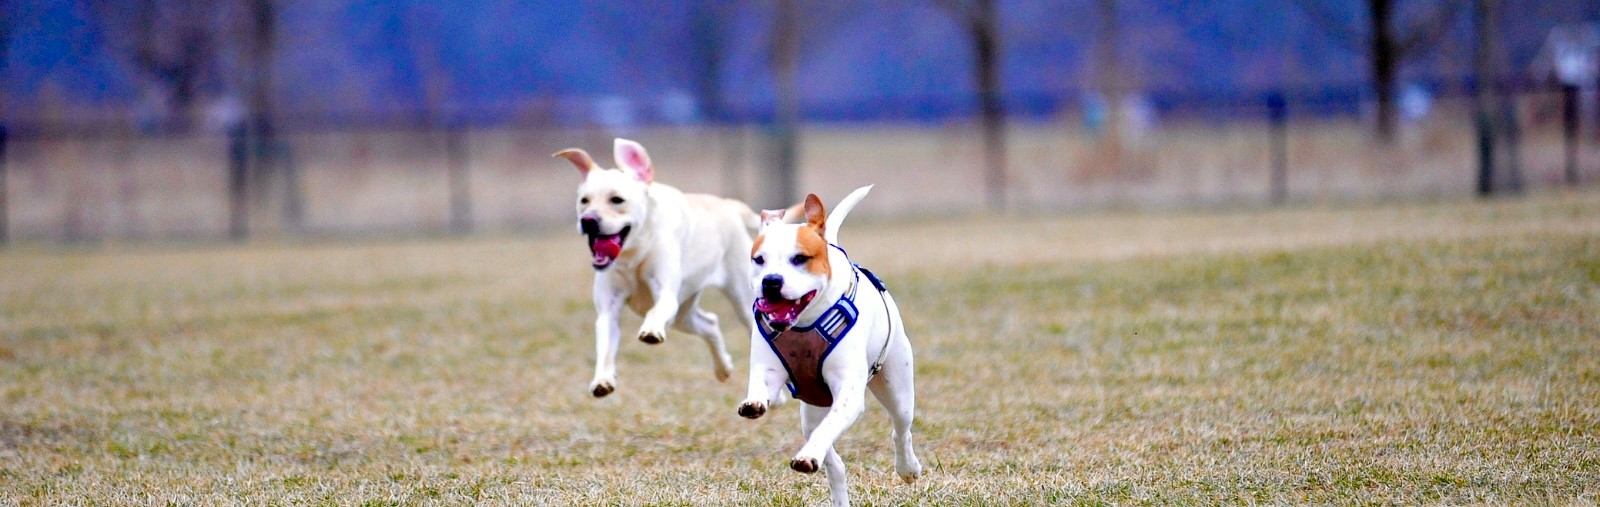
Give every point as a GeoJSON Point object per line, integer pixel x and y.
{"type": "Point", "coordinates": [752, 409]}
{"type": "Point", "coordinates": [601, 388]}
{"type": "Point", "coordinates": [652, 337]}
{"type": "Point", "coordinates": [908, 471]}
{"type": "Point", "coordinates": [804, 465]}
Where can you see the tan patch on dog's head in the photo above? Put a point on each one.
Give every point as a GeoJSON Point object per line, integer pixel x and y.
{"type": "Point", "coordinates": [814, 247]}
{"type": "Point", "coordinates": [755, 246]}
{"type": "Point", "coordinates": [810, 238]}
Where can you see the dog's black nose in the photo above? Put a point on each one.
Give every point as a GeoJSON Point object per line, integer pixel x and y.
{"type": "Point", "coordinates": [589, 225]}
{"type": "Point", "coordinates": [771, 285]}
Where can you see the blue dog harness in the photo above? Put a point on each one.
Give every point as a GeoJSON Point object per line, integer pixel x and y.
{"type": "Point", "coordinates": [803, 349]}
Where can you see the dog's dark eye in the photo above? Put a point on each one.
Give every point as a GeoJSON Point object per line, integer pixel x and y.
{"type": "Point", "coordinates": [583, 200]}
{"type": "Point", "coordinates": [759, 260]}
{"type": "Point", "coordinates": [799, 259]}
{"type": "Point", "coordinates": [616, 200]}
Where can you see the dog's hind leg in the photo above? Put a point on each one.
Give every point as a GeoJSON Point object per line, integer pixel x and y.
{"type": "Point", "coordinates": [695, 320]}
{"type": "Point", "coordinates": [742, 295]}
{"type": "Point", "coordinates": [894, 388]}
{"type": "Point", "coordinates": [838, 482]}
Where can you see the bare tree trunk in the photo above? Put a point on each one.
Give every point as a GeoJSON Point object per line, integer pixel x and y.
{"type": "Point", "coordinates": [982, 24]}
{"type": "Point", "coordinates": [1385, 66]}
{"type": "Point", "coordinates": [1108, 69]}
{"type": "Point", "coordinates": [706, 32]}
{"type": "Point", "coordinates": [5, 210]}
{"type": "Point", "coordinates": [439, 123]}
{"type": "Point", "coordinates": [269, 155]}
{"type": "Point", "coordinates": [1110, 156]}
{"type": "Point", "coordinates": [1387, 46]}
{"type": "Point", "coordinates": [187, 56]}
{"type": "Point", "coordinates": [785, 60]}
{"type": "Point", "coordinates": [1483, 103]}
{"type": "Point", "coordinates": [985, 37]}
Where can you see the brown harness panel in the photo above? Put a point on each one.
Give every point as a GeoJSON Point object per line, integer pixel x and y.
{"type": "Point", "coordinates": [802, 352]}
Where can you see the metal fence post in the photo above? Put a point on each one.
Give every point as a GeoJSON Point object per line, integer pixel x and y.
{"type": "Point", "coordinates": [1485, 130]}
{"type": "Point", "coordinates": [1569, 130]}
{"type": "Point", "coordinates": [238, 178]}
{"type": "Point", "coordinates": [5, 210]}
{"type": "Point", "coordinates": [457, 166]}
{"type": "Point", "coordinates": [1278, 127]}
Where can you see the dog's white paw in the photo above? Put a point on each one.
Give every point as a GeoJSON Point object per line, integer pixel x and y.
{"type": "Point", "coordinates": [804, 465]}
{"type": "Point", "coordinates": [601, 388]}
{"type": "Point", "coordinates": [752, 409]}
{"type": "Point", "coordinates": [908, 470]}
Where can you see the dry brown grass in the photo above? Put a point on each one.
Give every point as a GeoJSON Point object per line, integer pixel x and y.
{"type": "Point", "coordinates": [1444, 352]}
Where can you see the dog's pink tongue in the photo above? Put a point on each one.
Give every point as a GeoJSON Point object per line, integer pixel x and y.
{"type": "Point", "coordinates": [608, 247]}
{"type": "Point", "coordinates": [778, 311]}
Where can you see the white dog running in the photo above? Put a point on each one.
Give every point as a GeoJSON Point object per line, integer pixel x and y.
{"type": "Point", "coordinates": [656, 250]}
{"type": "Point", "coordinates": [830, 331]}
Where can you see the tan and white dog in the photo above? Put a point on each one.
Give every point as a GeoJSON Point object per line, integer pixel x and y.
{"type": "Point", "coordinates": [830, 331]}
{"type": "Point", "coordinates": [656, 250]}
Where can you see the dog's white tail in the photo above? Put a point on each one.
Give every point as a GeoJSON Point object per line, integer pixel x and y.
{"type": "Point", "coordinates": [830, 230]}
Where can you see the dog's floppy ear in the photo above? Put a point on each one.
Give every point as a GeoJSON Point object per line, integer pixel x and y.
{"type": "Point", "coordinates": [579, 159]}
{"type": "Point", "coordinates": [816, 217]}
{"type": "Point", "coordinates": [631, 157]}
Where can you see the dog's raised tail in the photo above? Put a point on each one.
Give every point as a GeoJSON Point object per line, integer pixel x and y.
{"type": "Point", "coordinates": [830, 230]}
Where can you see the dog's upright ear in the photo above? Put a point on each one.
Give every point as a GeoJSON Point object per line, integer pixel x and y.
{"type": "Point", "coordinates": [579, 159]}
{"type": "Point", "coordinates": [631, 157]}
{"type": "Point", "coordinates": [816, 217]}
{"type": "Point", "coordinates": [772, 216]}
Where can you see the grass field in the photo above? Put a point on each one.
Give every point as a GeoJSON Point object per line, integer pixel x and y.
{"type": "Point", "coordinates": [1443, 352]}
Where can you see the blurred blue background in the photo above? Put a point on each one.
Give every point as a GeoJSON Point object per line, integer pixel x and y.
{"type": "Point", "coordinates": [229, 118]}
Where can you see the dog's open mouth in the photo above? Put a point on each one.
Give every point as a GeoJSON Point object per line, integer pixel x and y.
{"type": "Point", "coordinates": [606, 247]}
{"type": "Point", "coordinates": [781, 313]}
